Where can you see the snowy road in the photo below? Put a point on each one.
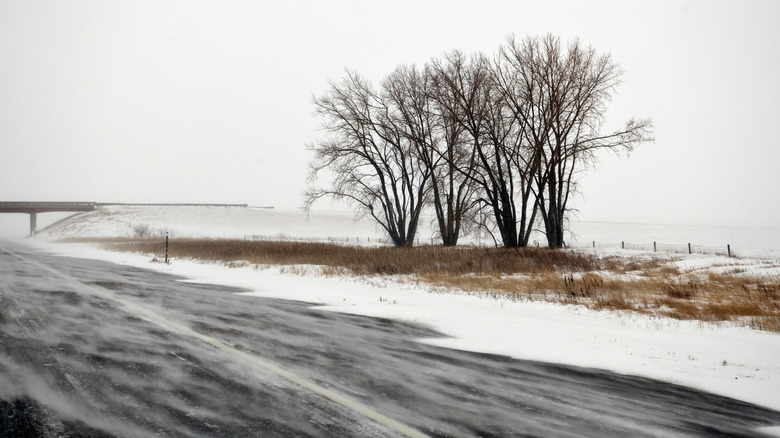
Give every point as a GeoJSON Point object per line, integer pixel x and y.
{"type": "Point", "coordinates": [89, 348]}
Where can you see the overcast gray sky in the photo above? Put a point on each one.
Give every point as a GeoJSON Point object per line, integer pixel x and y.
{"type": "Point", "coordinates": [210, 101]}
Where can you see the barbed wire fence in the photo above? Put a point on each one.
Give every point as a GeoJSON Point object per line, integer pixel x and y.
{"type": "Point", "coordinates": [357, 240]}
{"type": "Point", "coordinates": [724, 250]}
{"type": "Point", "coordinates": [660, 247]}
{"type": "Point", "coordinates": [330, 239]}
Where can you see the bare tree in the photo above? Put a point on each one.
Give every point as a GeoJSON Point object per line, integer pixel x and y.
{"type": "Point", "coordinates": [512, 126]}
{"type": "Point", "coordinates": [369, 154]}
{"type": "Point", "coordinates": [446, 153]}
{"type": "Point", "coordinates": [477, 103]}
{"type": "Point", "coordinates": [408, 91]}
{"type": "Point", "coordinates": [565, 96]}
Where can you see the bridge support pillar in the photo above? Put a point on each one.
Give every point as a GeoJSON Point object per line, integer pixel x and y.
{"type": "Point", "coordinates": [33, 224]}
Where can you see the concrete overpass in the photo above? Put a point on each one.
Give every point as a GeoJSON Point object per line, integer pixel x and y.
{"type": "Point", "coordinates": [33, 208]}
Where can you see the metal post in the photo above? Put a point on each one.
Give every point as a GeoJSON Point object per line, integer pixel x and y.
{"type": "Point", "coordinates": [166, 247]}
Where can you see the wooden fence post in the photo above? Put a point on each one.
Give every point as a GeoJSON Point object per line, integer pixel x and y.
{"type": "Point", "coordinates": [728, 248]}
{"type": "Point", "coordinates": [623, 245]}
{"type": "Point", "coordinates": [689, 248]}
{"type": "Point", "coordinates": [654, 248]}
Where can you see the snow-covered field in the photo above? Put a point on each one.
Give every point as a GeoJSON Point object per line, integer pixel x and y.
{"type": "Point", "coordinates": [342, 225]}
{"type": "Point", "coordinates": [731, 361]}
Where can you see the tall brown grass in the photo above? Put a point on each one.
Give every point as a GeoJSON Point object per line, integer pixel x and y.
{"type": "Point", "coordinates": [371, 260]}
{"type": "Point", "coordinates": [648, 285]}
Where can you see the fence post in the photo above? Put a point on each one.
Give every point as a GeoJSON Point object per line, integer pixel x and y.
{"type": "Point", "coordinates": [654, 248]}
{"type": "Point", "coordinates": [689, 248]}
{"type": "Point", "coordinates": [728, 248]}
{"type": "Point", "coordinates": [594, 243]}
{"type": "Point", "coordinates": [623, 245]}
{"type": "Point", "coordinates": [166, 247]}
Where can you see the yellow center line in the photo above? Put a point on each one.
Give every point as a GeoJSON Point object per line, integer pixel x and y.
{"type": "Point", "coordinates": [173, 326]}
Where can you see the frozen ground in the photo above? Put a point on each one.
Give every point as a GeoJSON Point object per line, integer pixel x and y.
{"type": "Point", "coordinates": [735, 362]}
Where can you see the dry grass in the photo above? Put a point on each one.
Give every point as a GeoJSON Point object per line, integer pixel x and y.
{"type": "Point", "coordinates": [744, 301]}
{"type": "Point", "coordinates": [652, 286]}
{"type": "Point", "coordinates": [369, 260]}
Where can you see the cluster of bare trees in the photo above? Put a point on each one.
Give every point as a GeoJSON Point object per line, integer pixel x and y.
{"type": "Point", "coordinates": [492, 143]}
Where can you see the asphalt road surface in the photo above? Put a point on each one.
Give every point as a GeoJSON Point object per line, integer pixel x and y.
{"type": "Point", "coordinates": [93, 349]}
